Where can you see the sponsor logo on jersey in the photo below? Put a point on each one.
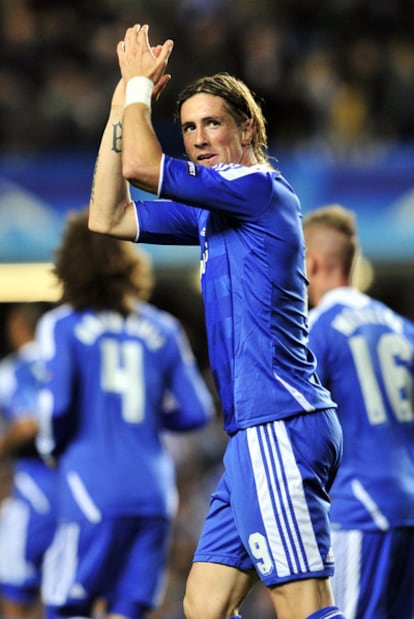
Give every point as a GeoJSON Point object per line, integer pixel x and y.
{"type": "Point", "coordinates": [191, 168]}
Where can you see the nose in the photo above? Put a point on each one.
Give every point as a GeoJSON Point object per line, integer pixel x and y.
{"type": "Point", "coordinates": [200, 137]}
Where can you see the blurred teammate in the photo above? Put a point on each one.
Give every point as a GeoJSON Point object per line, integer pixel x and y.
{"type": "Point", "coordinates": [27, 517]}
{"type": "Point", "coordinates": [119, 372]}
{"type": "Point", "coordinates": [268, 517]}
{"type": "Point", "coordinates": [365, 355]}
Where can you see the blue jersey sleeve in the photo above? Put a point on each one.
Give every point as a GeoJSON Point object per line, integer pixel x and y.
{"type": "Point", "coordinates": [19, 383]}
{"type": "Point", "coordinates": [58, 386]}
{"type": "Point", "coordinates": [188, 404]}
{"type": "Point", "coordinates": [229, 189]}
{"type": "Point", "coordinates": [167, 223]}
{"type": "Point", "coordinates": [24, 401]}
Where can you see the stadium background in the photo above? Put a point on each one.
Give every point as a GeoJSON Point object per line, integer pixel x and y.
{"type": "Point", "coordinates": [336, 78]}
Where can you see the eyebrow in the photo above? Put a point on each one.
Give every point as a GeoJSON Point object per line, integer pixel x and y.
{"type": "Point", "coordinates": [205, 119]}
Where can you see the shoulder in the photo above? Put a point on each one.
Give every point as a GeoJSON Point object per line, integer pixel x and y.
{"type": "Point", "coordinates": [333, 302]}
{"type": "Point", "coordinates": [159, 317]}
{"type": "Point", "coordinates": [48, 324]}
{"type": "Point", "coordinates": [56, 314]}
{"type": "Point", "coordinates": [234, 171]}
{"type": "Point", "coordinates": [55, 318]}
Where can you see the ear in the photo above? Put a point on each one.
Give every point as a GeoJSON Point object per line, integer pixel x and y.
{"type": "Point", "coordinates": [247, 131]}
{"type": "Point", "coordinates": [311, 264]}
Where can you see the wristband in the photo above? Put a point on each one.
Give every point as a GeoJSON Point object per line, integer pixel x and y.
{"type": "Point", "coordinates": [139, 90]}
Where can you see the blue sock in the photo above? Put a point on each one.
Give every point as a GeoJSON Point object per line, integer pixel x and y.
{"type": "Point", "coordinates": [329, 612]}
{"type": "Point", "coordinates": [235, 617]}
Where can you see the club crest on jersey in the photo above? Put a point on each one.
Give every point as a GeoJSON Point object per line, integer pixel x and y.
{"type": "Point", "coordinates": [191, 168]}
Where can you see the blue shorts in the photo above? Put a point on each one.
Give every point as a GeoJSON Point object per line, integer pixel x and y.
{"type": "Point", "coordinates": [26, 531]}
{"type": "Point", "coordinates": [374, 576]}
{"type": "Point", "coordinates": [270, 511]}
{"type": "Point", "coordinates": [121, 561]}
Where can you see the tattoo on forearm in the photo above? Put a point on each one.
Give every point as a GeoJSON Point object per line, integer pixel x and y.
{"type": "Point", "coordinates": [117, 137]}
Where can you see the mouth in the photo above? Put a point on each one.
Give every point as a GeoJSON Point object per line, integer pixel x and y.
{"type": "Point", "coordinates": [206, 159]}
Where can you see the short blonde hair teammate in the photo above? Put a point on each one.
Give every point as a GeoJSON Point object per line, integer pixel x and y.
{"type": "Point", "coordinates": [365, 356]}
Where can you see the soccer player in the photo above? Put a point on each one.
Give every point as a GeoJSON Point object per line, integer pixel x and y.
{"type": "Point", "coordinates": [119, 371]}
{"type": "Point", "coordinates": [365, 355]}
{"type": "Point", "coordinates": [28, 515]}
{"type": "Point", "coordinates": [269, 516]}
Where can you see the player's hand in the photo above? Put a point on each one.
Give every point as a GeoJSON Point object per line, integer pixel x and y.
{"type": "Point", "coordinates": [137, 58]}
{"type": "Point", "coordinates": [163, 81]}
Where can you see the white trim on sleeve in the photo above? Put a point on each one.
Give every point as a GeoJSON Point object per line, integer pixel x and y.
{"type": "Point", "coordinates": [161, 175]}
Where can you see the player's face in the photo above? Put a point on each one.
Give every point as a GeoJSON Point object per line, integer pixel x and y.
{"type": "Point", "coordinates": [211, 134]}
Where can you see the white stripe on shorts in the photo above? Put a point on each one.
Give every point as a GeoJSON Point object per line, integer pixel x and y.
{"type": "Point", "coordinates": [60, 564]}
{"type": "Point", "coordinates": [347, 546]}
{"type": "Point", "coordinates": [282, 500]}
{"type": "Point", "coordinates": [14, 522]}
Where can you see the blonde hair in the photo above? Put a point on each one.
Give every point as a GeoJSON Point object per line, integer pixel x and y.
{"type": "Point", "coordinates": [341, 220]}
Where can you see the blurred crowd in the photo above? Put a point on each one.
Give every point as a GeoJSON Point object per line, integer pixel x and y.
{"type": "Point", "coordinates": [337, 71]}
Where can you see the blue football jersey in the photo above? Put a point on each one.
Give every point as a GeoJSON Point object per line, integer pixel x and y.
{"type": "Point", "coordinates": [247, 221]}
{"type": "Point", "coordinates": [365, 355]}
{"type": "Point", "coordinates": [20, 380]}
{"type": "Point", "coordinates": [28, 516]}
{"type": "Point", "coordinates": [103, 408]}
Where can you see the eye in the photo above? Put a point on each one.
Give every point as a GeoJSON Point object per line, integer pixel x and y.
{"type": "Point", "coordinates": [188, 128]}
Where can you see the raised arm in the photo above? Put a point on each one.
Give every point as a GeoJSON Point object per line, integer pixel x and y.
{"type": "Point", "coordinates": [143, 70]}
{"type": "Point", "coordinates": [129, 150]}
{"type": "Point", "coordinates": [111, 210]}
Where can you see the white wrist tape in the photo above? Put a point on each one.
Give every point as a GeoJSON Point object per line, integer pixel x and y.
{"type": "Point", "coordinates": [139, 90]}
